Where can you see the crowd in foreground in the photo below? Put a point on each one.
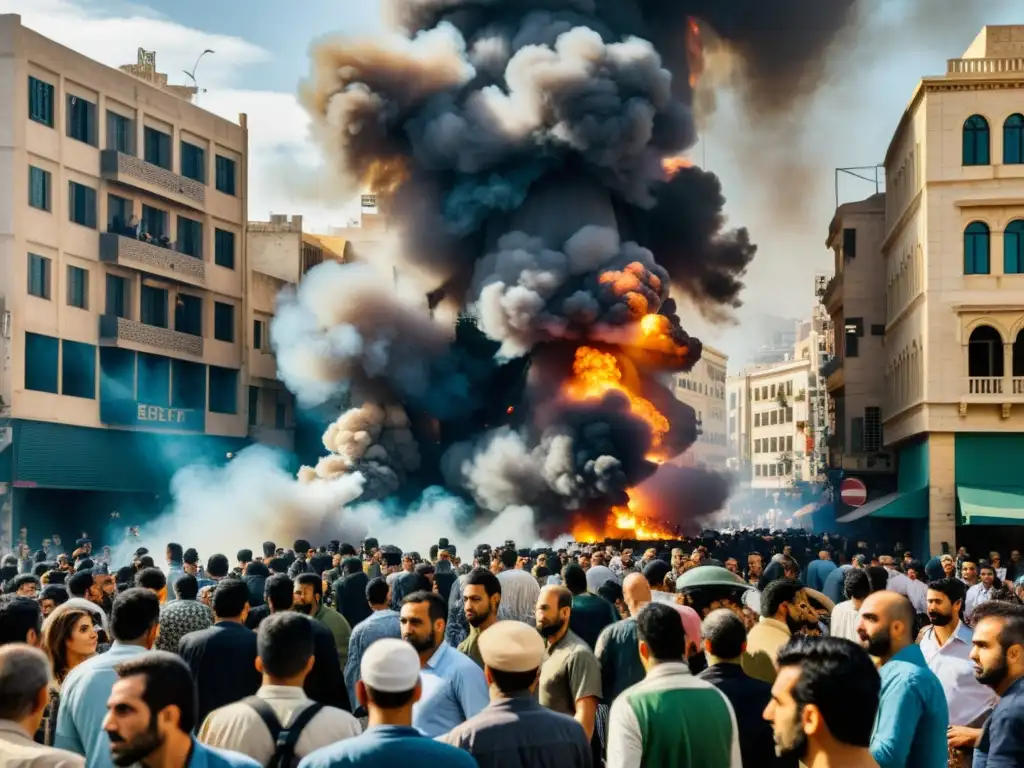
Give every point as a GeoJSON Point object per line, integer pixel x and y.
{"type": "Point", "coordinates": [855, 655]}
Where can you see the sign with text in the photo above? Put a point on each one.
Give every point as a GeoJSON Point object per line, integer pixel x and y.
{"type": "Point", "coordinates": [131, 413]}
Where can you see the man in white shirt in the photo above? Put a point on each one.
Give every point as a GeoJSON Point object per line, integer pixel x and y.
{"type": "Point", "coordinates": [856, 587]}
{"type": "Point", "coordinates": [915, 591]}
{"type": "Point", "coordinates": [519, 590]}
{"type": "Point", "coordinates": [285, 647]}
{"type": "Point", "coordinates": [946, 646]}
{"type": "Point", "coordinates": [980, 592]}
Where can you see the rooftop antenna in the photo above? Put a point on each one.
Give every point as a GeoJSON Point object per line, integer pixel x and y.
{"type": "Point", "coordinates": [192, 75]}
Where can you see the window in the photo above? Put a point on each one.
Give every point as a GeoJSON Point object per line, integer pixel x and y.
{"type": "Point", "coordinates": [849, 243]}
{"type": "Point", "coordinates": [774, 445]}
{"type": "Point", "coordinates": [188, 314]}
{"type": "Point", "coordinates": [154, 306]}
{"type": "Point", "coordinates": [764, 393]}
{"type": "Point", "coordinates": [877, 330]}
{"type": "Point", "coordinates": [789, 415]}
{"type": "Point", "coordinates": [117, 375]}
{"type": "Point", "coordinates": [188, 382]}
{"type": "Point", "coordinates": [120, 133]}
{"type": "Point", "coordinates": [1013, 140]}
{"type": "Point", "coordinates": [117, 296]}
{"type": "Point", "coordinates": [190, 237]}
{"type": "Point", "coordinates": [257, 334]}
{"type": "Point", "coordinates": [773, 390]}
{"type": "Point", "coordinates": [82, 204]}
{"type": "Point", "coordinates": [41, 353]}
{"type": "Point", "coordinates": [254, 405]}
{"type": "Point", "coordinates": [789, 387]}
{"type": "Point", "coordinates": [225, 175]}
{"type": "Point", "coordinates": [872, 429]}
{"type": "Point", "coordinates": [157, 147]}
{"type": "Point", "coordinates": [854, 329]}
{"type": "Point", "coordinates": [1013, 248]}
{"type": "Point", "coordinates": [78, 287]}
{"type": "Point", "coordinates": [773, 470]}
{"type": "Point", "coordinates": [757, 394]}
{"type": "Point", "coordinates": [78, 372]}
{"type": "Point", "coordinates": [120, 211]}
{"type": "Point", "coordinates": [732, 401]}
{"type": "Point", "coordinates": [38, 276]}
{"type": "Point", "coordinates": [223, 322]}
{"type": "Point", "coordinates": [40, 102]}
{"type": "Point", "coordinates": [976, 248]}
{"type": "Point", "coordinates": [757, 419]}
{"type": "Point", "coordinates": [976, 141]}
{"type": "Point", "coordinates": [155, 222]}
{"type": "Point", "coordinates": [154, 379]}
{"type": "Point", "coordinates": [775, 417]}
{"type": "Point", "coordinates": [193, 162]}
{"type": "Point", "coordinates": [985, 353]}
{"type": "Point", "coordinates": [81, 120]}
{"type": "Point", "coordinates": [223, 390]}
{"type": "Point", "coordinates": [789, 443]}
{"type": "Point", "coordinates": [39, 182]}
{"type": "Point", "coordinates": [224, 248]}
{"type": "Point", "coordinates": [280, 411]}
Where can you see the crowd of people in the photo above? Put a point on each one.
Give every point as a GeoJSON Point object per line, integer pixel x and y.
{"type": "Point", "coordinates": [747, 649]}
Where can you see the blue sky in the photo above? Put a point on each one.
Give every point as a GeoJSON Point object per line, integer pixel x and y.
{"type": "Point", "coordinates": [778, 179]}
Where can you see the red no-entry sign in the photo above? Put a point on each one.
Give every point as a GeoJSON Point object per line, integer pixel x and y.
{"type": "Point", "coordinates": [853, 492]}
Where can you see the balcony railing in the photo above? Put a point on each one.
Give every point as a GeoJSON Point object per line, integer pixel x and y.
{"type": "Point", "coordinates": [985, 385]}
{"type": "Point", "coordinates": [120, 329]}
{"type": "Point", "coordinates": [149, 257]}
{"type": "Point", "coordinates": [131, 170]}
{"type": "Point", "coordinates": [984, 66]}
{"type": "Point", "coordinates": [1018, 385]}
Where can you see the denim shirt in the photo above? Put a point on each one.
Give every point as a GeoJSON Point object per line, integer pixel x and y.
{"type": "Point", "coordinates": [910, 727]}
{"type": "Point", "coordinates": [454, 690]}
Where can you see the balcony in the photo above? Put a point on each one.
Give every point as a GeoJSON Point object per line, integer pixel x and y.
{"type": "Point", "coordinates": [985, 385]}
{"type": "Point", "coordinates": [130, 334]}
{"type": "Point", "coordinates": [833, 364]}
{"type": "Point", "coordinates": [985, 66]}
{"type": "Point", "coordinates": [262, 365]}
{"type": "Point", "coordinates": [151, 258]}
{"type": "Point", "coordinates": [136, 172]}
{"type": "Point", "coordinates": [832, 292]}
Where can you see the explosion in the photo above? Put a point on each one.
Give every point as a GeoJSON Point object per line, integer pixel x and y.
{"type": "Point", "coordinates": [531, 157]}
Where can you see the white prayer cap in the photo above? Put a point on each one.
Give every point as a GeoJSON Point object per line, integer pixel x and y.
{"type": "Point", "coordinates": [390, 665]}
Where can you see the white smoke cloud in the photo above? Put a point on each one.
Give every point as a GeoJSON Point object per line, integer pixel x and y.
{"type": "Point", "coordinates": [251, 499]}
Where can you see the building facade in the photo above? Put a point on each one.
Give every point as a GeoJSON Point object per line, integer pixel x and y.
{"type": "Point", "coordinates": [123, 285]}
{"type": "Point", "coordinates": [953, 259]}
{"type": "Point", "coordinates": [782, 451]}
{"type": "Point", "coordinates": [703, 389]}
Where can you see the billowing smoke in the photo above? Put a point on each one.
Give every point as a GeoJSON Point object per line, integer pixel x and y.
{"type": "Point", "coordinates": [374, 441]}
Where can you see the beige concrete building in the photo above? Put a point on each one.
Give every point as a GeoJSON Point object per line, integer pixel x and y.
{"type": "Point", "coordinates": [122, 234]}
{"type": "Point", "coordinates": [703, 389]}
{"type": "Point", "coordinates": [780, 451]}
{"type": "Point", "coordinates": [280, 253]}
{"type": "Point", "coordinates": [953, 259]}
{"type": "Point", "coordinates": [855, 299]}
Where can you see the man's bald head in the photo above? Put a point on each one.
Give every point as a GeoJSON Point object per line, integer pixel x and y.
{"type": "Point", "coordinates": [886, 623]}
{"type": "Point", "coordinates": [556, 595]}
{"type": "Point", "coordinates": [824, 555]}
{"type": "Point", "coordinates": [636, 592]}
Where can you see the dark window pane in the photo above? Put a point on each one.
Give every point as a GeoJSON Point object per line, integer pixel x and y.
{"type": "Point", "coordinates": [154, 379]}
{"type": "Point", "coordinates": [157, 148]}
{"type": "Point", "coordinates": [223, 321]}
{"type": "Point", "coordinates": [81, 120]}
{"type": "Point", "coordinates": [82, 204]}
{"type": "Point", "coordinates": [976, 141]}
{"type": "Point", "coordinates": [40, 101]}
{"type": "Point", "coordinates": [976, 249]}
{"type": "Point", "coordinates": [1013, 140]}
{"type": "Point", "coordinates": [38, 276]}
{"type": "Point", "coordinates": [188, 385]}
{"type": "Point", "coordinates": [41, 353]}
{"type": "Point", "coordinates": [223, 390]}
{"type": "Point", "coordinates": [120, 133]}
{"type": "Point", "coordinates": [155, 222]}
{"type": "Point", "coordinates": [120, 212]}
{"type": "Point", "coordinates": [188, 315]}
{"type": "Point", "coordinates": [225, 175]}
{"type": "Point", "coordinates": [78, 287]}
{"type": "Point", "coordinates": [154, 306]}
{"type": "Point", "coordinates": [39, 188]}
{"type": "Point", "coordinates": [117, 296]}
{"type": "Point", "coordinates": [190, 237]}
{"type": "Point", "coordinates": [1013, 245]}
{"type": "Point", "coordinates": [257, 334]}
{"type": "Point", "coordinates": [78, 373]}
{"type": "Point", "coordinates": [254, 405]}
{"type": "Point", "coordinates": [224, 248]}
{"type": "Point", "coordinates": [193, 162]}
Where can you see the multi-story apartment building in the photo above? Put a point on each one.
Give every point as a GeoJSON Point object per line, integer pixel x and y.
{"type": "Point", "coordinates": [855, 300]}
{"type": "Point", "coordinates": [737, 430]}
{"type": "Point", "coordinates": [782, 451]}
{"type": "Point", "coordinates": [280, 253]}
{"type": "Point", "coordinates": [703, 389]}
{"type": "Point", "coordinates": [124, 338]}
{"type": "Point", "coordinates": [953, 259]}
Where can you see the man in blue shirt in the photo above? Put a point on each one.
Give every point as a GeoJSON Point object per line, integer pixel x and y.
{"type": "Point", "coordinates": [389, 688]}
{"type": "Point", "coordinates": [454, 687]}
{"type": "Point", "coordinates": [151, 714]}
{"type": "Point", "coordinates": [912, 720]}
{"type": "Point", "coordinates": [134, 622]}
{"type": "Point", "coordinates": [818, 571]}
{"type": "Point", "coordinates": [383, 622]}
{"type": "Point", "coordinates": [998, 655]}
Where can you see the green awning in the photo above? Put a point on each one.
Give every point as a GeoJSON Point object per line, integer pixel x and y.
{"type": "Point", "coordinates": [912, 505]}
{"type": "Point", "coordinates": [1002, 505]}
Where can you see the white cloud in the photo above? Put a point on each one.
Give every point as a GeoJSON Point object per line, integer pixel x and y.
{"type": "Point", "coordinates": [281, 156]}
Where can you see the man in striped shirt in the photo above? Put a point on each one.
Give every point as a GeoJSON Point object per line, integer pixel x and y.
{"type": "Point", "coordinates": [671, 717]}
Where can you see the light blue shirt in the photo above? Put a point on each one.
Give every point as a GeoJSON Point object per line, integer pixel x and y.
{"type": "Point", "coordinates": [208, 757]}
{"type": "Point", "coordinates": [377, 625]}
{"type": "Point", "coordinates": [454, 690]}
{"type": "Point", "coordinates": [83, 705]}
{"type": "Point", "coordinates": [910, 727]}
{"type": "Point", "coordinates": [174, 572]}
{"type": "Point", "coordinates": [817, 572]}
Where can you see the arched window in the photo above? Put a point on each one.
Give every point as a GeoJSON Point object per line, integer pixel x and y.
{"type": "Point", "coordinates": [985, 353]}
{"type": "Point", "coordinates": [976, 248]}
{"type": "Point", "coordinates": [1013, 140]}
{"type": "Point", "coordinates": [976, 141]}
{"type": "Point", "coordinates": [1013, 248]}
{"type": "Point", "coordinates": [1018, 357]}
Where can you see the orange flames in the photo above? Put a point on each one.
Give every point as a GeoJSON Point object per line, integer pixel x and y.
{"type": "Point", "coordinates": [595, 373]}
{"type": "Point", "coordinates": [673, 165]}
{"type": "Point", "coordinates": [384, 176]}
{"type": "Point", "coordinates": [694, 52]}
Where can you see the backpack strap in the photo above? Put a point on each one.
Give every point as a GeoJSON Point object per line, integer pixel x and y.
{"type": "Point", "coordinates": [286, 740]}
{"type": "Point", "coordinates": [266, 713]}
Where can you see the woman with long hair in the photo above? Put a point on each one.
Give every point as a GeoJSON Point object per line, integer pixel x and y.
{"type": "Point", "coordinates": [69, 638]}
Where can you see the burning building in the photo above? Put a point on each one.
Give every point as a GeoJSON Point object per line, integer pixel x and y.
{"type": "Point", "coordinates": [532, 156]}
